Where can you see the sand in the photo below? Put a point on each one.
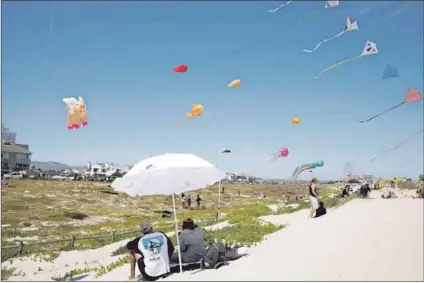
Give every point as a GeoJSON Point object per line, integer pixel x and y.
{"type": "Point", "coordinates": [365, 239]}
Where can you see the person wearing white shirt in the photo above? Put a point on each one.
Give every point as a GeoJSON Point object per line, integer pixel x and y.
{"type": "Point", "coordinates": [151, 252]}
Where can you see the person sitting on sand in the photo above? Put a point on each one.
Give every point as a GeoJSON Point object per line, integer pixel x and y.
{"type": "Point", "coordinates": [364, 190]}
{"type": "Point", "coordinates": [192, 242]}
{"type": "Point", "coordinates": [313, 197]}
{"type": "Point", "coordinates": [345, 192]}
{"type": "Point", "coordinates": [151, 252]}
{"type": "Point", "coordinates": [320, 210]}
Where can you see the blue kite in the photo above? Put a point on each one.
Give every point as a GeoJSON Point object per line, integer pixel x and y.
{"type": "Point", "coordinates": [390, 72]}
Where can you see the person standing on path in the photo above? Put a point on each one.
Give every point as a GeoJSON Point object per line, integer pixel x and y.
{"type": "Point", "coordinates": [198, 199]}
{"type": "Point", "coordinates": [313, 197]}
{"type": "Point", "coordinates": [189, 201]}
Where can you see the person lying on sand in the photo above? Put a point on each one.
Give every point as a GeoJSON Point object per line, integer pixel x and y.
{"type": "Point", "coordinates": [151, 252]}
{"type": "Point", "coordinates": [320, 210]}
{"type": "Point", "coordinates": [388, 195]}
{"type": "Point", "coordinates": [192, 242]}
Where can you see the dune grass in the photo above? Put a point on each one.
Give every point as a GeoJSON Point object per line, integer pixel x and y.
{"type": "Point", "coordinates": [35, 210]}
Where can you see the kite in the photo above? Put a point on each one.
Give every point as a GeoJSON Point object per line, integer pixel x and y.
{"type": "Point", "coordinates": [283, 152]}
{"type": "Point", "coordinates": [350, 26]}
{"type": "Point", "coordinates": [397, 146]}
{"type": "Point", "coordinates": [177, 124]}
{"type": "Point", "coordinates": [369, 49]}
{"type": "Point", "coordinates": [77, 112]}
{"type": "Point", "coordinates": [390, 72]}
{"type": "Point", "coordinates": [285, 3]}
{"type": "Point", "coordinates": [234, 83]}
{"type": "Point", "coordinates": [328, 4]}
{"type": "Point", "coordinates": [305, 167]}
{"type": "Point", "coordinates": [180, 69]}
{"type": "Point", "coordinates": [196, 110]}
{"type": "Point", "coordinates": [296, 120]}
{"type": "Point", "coordinates": [411, 96]}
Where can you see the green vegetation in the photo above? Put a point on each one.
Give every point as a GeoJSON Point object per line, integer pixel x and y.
{"type": "Point", "coordinates": [34, 211]}
{"type": "Point", "coordinates": [7, 272]}
{"type": "Point", "coordinates": [101, 270]}
{"type": "Point", "coordinates": [421, 177]}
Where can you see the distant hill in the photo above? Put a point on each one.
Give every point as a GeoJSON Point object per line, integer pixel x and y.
{"type": "Point", "coordinates": [49, 165]}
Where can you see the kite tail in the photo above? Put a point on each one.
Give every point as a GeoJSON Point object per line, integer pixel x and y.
{"type": "Point", "coordinates": [337, 64]}
{"type": "Point", "coordinates": [324, 41]}
{"type": "Point", "coordinates": [299, 170]}
{"type": "Point", "coordinates": [382, 113]}
{"type": "Point", "coordinates": [280, 7]}
{"type": "Point", "coordinates": [313, 13]}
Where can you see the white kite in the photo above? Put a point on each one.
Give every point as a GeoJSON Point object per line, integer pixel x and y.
{"type": "Point", "coordinates": [350, 25]}
{"type": "Point", "coordinates": [285, 3]}
{"type": "Point", "coordinates": [331, 4]}
{"type": "Point", "coordinates": [369, 49]}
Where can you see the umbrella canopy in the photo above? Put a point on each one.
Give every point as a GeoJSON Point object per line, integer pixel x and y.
{"type": "Point", "coordinates": [168, 174]}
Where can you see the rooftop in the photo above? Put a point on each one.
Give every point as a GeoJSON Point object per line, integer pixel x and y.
{"type": "Point", "coordinates": [13, 148]}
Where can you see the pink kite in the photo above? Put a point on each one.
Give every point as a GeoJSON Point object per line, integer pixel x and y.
{"type": "Point", "coordinates": [283, 152]}
{"type": "Point", "coordinates": [412, 95]}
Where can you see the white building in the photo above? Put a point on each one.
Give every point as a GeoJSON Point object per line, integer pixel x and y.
{"type": "Point", "coordinates": [107, 169]}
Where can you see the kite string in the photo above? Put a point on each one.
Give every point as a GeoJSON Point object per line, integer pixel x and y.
{"type": "Point", "coordinates": [51, 25]}
{"type": "Point", "coordinates": [337, 64]}
{"type": "Point", "coordinates": [384, 112]}
{"type": "Point", "coordinates": [324, 41]}
{"type": "Point", "coordinates": [398, 145]}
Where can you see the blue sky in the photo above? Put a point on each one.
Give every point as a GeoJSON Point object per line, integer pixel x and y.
{"type": "Point", "coordinates": [119, 56]}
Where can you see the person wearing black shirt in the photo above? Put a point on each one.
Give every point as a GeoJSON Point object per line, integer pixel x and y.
{"type": "Point", "coordinates": [198, 199]}
{"type": "Point", "coordinates": [136, 256]}
{"type": "Point", "coordinates": [313, 197]}
{"type": "Point", "coordinates": [320, 210]}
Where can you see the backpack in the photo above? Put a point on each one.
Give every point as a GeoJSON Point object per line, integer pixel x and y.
{"type": "Point", "coordinates": [217, 255]}
{"type": "Point", "coordinates": [214, 255]}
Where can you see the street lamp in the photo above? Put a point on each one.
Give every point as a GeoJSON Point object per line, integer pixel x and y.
{"type": "Point", "coordinates": [218, 214]}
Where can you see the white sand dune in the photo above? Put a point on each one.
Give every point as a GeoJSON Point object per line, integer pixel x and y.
{"type": "Point", "coordinates": [364, 240]}
{"type": "Point", "coordinates": [28, 269]}
{"type": "Point", "coordinates": [371, 239]}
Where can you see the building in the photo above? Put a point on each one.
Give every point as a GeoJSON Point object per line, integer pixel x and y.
{"type": "Point", "coordinates": [13, 155]}
{"type": "Point", "coordinates": [107, 169]}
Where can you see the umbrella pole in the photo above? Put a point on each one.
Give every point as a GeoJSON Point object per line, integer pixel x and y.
{"type": "Point", "coordinates": [176, 233]}
{"type": "Point", "coordinates": [219, 190]}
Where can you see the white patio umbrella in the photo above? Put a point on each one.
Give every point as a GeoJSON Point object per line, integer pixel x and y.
{"type": "Point", "coordinates": [168, 174]}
